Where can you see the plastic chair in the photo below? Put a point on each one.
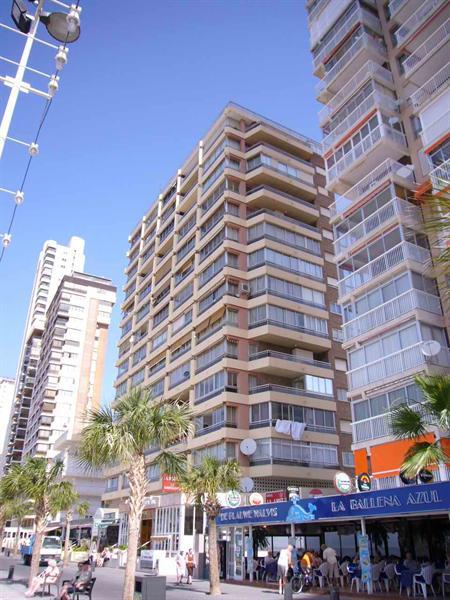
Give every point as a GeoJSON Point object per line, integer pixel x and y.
{"type": "Point", "coordinates": [389, 571]}
{"type": "Point", "coordinates": [354, 577]}
{"type": "Point", "coordinates": [322, 574]}
{"type": "Point", "coordinates": [445, 582]}
{"type": "Point", "coordinates": [376, 573]}
{"type": "Point", "coordinates": [56, 583]}
{"type": "Point", "coordinates": [424, 579]}
{"type": "Point", "coordinates": [343, 570]}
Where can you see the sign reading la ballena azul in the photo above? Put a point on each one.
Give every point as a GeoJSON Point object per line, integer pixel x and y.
{"type": "Point", "coordinates": [425, 498]}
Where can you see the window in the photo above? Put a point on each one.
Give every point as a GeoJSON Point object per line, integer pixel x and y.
{"type": "Point", "coordinates": [229, 163]}
{"type": "Point", "coordinates": [153, 473]}
{"type": "Point", "coordinates": [139, 355]}
{"type": "Point", "coordinates": [138, 378]}
{"type": "Point", "coordinates": [180, 374]}
{"type": "Point", "coordinates": [142, 312]}
{"type": "Point", "coordinates": [286, 318]}
{"type": "Point", "coordinates": [341, 394]}
{"type": "Point", "coordinates": [272, 450]}
{"type": "Point", "coordinates": [286, 289]}
{"type": "Point", "coordinates": [158, 388]}
{"type": "Point", "coordinates": [184, 295]}
{"type": "Point", "coordinates": [122, 368]}
{"type": "Point", "coordinates": [284, 261]}
{"type": "Point", "coordinates": [227, 143]}
{"type": "Point", "coordinates": [180, 350]}
{"type": "Point", "coordinates": [215, 384]}
{"type": "Point", "coordinates": [228, 184]}
{"type": "Point", "coordinates": [186, 227]}
{"type": "Point", "coordinates": [348, 459]}
{"type": "Point", "coordinates": [161, 316]}
{"type": "Point", "coordinates": [382, 403]}
{"type": "Point", "coordinates": [121, 389]}
{"type": "Point", "coordinates": [186, 248]}
{"type": "Point", "coordinates": [227, 287]}
{"type": "Point", "coordinates": [159, 339]}
{"type": "Point", "coordinates": [223, 451]}
{"type": "Point", "coordinates": [286, 236]}
{"type": "Point", "coordinates": [182, 321]}
{"type": "Point", "coordinates": [212, 245]}
{"type": "Point", "coordinates": [215, 353]}
{"type": "Point", "coordinates": [157, 367]}
{"type": "Point", "coordinates": [335, 308]}
{"type": "Point", "coordinates": [337, 335]}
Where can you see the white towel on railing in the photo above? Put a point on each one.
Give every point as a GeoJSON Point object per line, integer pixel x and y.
{"type": "Point", "coordinates": [297, 430]}
{"type": "Point", "coordinates": [282, 426]}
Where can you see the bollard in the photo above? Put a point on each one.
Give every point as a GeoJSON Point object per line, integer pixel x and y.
{"type": "Point", "coordinates": [334, 592]}
{"type": "Point", "coordinates": [10, 573]}
{"type": "Point", "coordinates": [287, 590]}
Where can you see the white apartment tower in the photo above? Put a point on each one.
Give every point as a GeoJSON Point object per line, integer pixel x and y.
{"type": "Point", "coordinates": [6, 399]}
{"type": "Point", "coordinates": [55, 261]}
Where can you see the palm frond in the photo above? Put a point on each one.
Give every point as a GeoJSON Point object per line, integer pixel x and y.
{"type": "Point", "coordinates": [436, 391]}
{"type": "Point", "coordinates": [422, 455]}
{"type": "Point", "coordinates": [407, 423]}
{"type": "Point", "coordinates": [171, 464]}
{"type": "Point", "coordinates": [62, 497]}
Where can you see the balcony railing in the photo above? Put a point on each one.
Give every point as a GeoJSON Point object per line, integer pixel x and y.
{"type": "Point", "coordinates": [276, 323]}
{"type": "Point", "coordinates": [291, 357]}
{"type": "Point", "coordinates": [395, 364]}
{"type": "Point", "coordinates": [357, 16]}
{"type": "Point", "coordinates": [370, 70]}
{"type": "Point", "coordinates": [391, 310]}
{"type": "Point", "coordinates": [430, 88]}
{"type": "Point", "coordinates": [269, 188]}
{"type": "Point", "coordinates": [389, 168]}
{"type": "Point", "coordinates": [284, 389]}
{"type": "Point", "coordinates": [374, 99]}
{"type": "Point", "coordinates": [329, 12]}
{"type": "Point", "coordinates": [396, 206]}
{"type": "Point", "coordinates": [440, 176]}
{"type": "Point", "coordinates": [380, 426]}
{"type": "Point", "coordinates": [402, 251]}
{"type": "Point", "coordinates": [364, 146]}
{"type": "Point", "coordinates": [365, 41]}
{"type": "Point", "coordinates": [425, 50]}
{"type": "Point", "coordinates": [394, 6]}
{"type": "Point", "coordinates": [215, 427]}
{"type": "Point", "coordinates": [419, 16]}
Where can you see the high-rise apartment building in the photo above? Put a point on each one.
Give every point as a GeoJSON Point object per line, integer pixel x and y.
{"type": "Point", "coordinates": [55, 261]}
{"type": "Point", "coordinates": [69, 372]}
{"type": "Point", "coordinates": [7, 386]}
{"type": "Point", "coordinates": [230, 306]}
{"type": "Point", "coordinates": [384, 74]}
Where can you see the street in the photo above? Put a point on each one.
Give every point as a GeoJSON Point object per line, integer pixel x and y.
{"type": "Point", "coordinates": [108, 585]}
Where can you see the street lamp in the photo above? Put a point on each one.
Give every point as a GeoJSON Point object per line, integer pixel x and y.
{"type": "Point", "coordinates": [62, 27]}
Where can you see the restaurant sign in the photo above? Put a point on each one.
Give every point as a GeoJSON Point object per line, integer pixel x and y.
{"type": "Point", "coordinates": [426, 498]}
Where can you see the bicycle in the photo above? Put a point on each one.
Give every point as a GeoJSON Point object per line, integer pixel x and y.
{"type": "Point", "coordinates": [301, 581]}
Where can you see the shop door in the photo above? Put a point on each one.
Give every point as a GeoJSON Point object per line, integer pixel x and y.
{"type": "Point", "coordinates": [146, 531]}
{"type": "Point", "coordinates": [222, 545]}
{"type": "Point", "coordinates": [239, 553]}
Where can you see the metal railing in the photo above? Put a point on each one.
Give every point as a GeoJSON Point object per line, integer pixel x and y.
{"type": "Point", "coordinates": [419, 16]}
{"type": "Point", "coordinates": [284, 389]}
{"type": "Point", "coordinates": [429, 46]}
{"type": "Point", "coordinates": [432, 132]}
{"type": "Point", "coordinates": [262, 322]}
{"type": "Point", "coordinates": [291, 357]}
{"type": "Point", "coordinates": [402, 251]}
{"type": "Point", "coordinates": [364, 146]}
{"type": "Point", "coordinates": [269, 188]}
{"type": "Point", "coordinates": [375, 98]}
{"type": "Point", "coordinates": [365, 41]}
{"type": "Point", "coordinates": [395, 5]}
{"type": "Point", "coordinates": [440, 176]}
{"type": "Point", "coordinates": [387, 169]}
{"type": "Point", "coordinates": [394, 364]}
{"type": "Point", "coordinates": [396, 206]}
{"type": "Point", "coordinates": [430, 88]}
{"type": "Point", "coordinates": [391, 310]}
{"type": "Point", "coordinates": [283, 217]}
{"type": "Point", "coordinates": [370, 70]}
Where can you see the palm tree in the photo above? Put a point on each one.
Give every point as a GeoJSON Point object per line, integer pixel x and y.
{"type": "Point", "coordinates": [21, 508]}
{"type": "Point", "coordinates": [82, 511]}
{"type": "Point", "coordinates": [122, 434]}
{"type": "Point", "coordinates": [411, 425]}
{"type": "Point", "coordinates": [38, 480]}
{"type": "Point", "coordinates": [6, 510]}
{"type": "Point", "coordinates": [66, 505]}
{"type": "Point", "coordinates": [202, 484]}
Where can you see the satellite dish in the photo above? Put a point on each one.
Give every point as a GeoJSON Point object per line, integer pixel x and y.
{"type": "Point", "coordinates": [248, 446]}
{"type": "Point", "coordinates": [430, 348]}
{"type": "Point", "coordinates": [246, 484]}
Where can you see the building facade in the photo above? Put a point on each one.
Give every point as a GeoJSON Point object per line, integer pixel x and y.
{"type": "Point", "coordinates": [230, 306]}
{"type": "Point", "coordinates": [7, 386]}
{"type": "Point", "coordinates": [55, 261]}
{"type": "Point", "coordinates": [384, 73]}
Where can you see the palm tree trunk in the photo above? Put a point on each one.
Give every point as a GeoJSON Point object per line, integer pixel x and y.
{"type": "Point", "coordinates": [37, 546]}
{"type": "Point", "coordinates": [214, 580]}
{"type": "Point", "coordinates": [67, 538]}
{"type": "Point", "coordinates": [138, 489]}
{"type": "Point", "coordinates": [16, 541]}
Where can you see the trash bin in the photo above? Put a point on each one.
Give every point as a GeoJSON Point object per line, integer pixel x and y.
{"type": "Point", "coordinates": [10, 573]}
{"type": "Point", "coordinates": [151, 587]}
{"type": "Point", "coordinates": [288, 590]}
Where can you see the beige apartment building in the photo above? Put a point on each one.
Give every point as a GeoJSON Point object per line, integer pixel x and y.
{"type": "Point", "coordinates": [230, 305]}
{"type": "Point", "coordinates": [384, 74]}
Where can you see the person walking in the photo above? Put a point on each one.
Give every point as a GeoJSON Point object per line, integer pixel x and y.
{"type": "Point", "coordinates": [284, 563]}
{"type": "Point", "coordinates": [330, 557]}
{"type": "Point", "coordinates": [190, 564]}
{"type": "Point", "coordinates": [180, 567]}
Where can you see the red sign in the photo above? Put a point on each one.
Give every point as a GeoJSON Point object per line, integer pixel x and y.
{"type": "Point", "coordinates": [169, 484]}
{"type": "Point", "coordinates": [276, 496]}
{"type": "Point", "coordinates": [315, 492]}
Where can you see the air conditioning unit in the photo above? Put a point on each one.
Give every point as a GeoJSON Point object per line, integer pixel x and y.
{"type": "Point", "coordinates": [244, 289]}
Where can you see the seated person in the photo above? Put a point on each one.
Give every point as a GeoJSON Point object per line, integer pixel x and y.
{"type": "Point", "coordinates": [81, 579]}
{"type": "Point", "coordinates": [411, 564]}
{"type": "Point", "coordinates": [50, 575]}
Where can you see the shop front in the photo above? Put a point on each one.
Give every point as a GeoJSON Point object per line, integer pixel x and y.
{"type": "Point", "coordinates": [413, 518]}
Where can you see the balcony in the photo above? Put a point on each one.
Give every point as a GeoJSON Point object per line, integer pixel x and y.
{"type": "Point", "coordinates": [380, 426]}
{"type": "Point", "coordinates": [370, 70]}
{"type": "Point", "coordinates": [397, 307]}
{"type": "Point", "coordinates": [363, 158]}
{"type": "Point", "coordinates": [387, 170]}
{"type": "Point", "coordinates": [396, 207]}
{"type": "Point", "coordinates": [375, 99]}
{"type": "Point", "coordinates": [396, 364]}
{"type": "Point", "coordinates": [416, 20]}
{"type": "Point", "coordinates": [430, 88]}
{"type": "Point", "coordinates": [358, 15]}
{"type": "Point", "coordinates": [398, 10]}
{"type": "Point", "coordinates": [382, 264]}
{"type": "Point", "coordinates": [284, 364]}
{"type": "Point", "coordinates": [322, 17]}
{"type": "Point", "coordinates": [284, 389]}
{"type": "Point", "coordinates": [286, 177]}
{"type": "Point", "coordinates": [440, 177]}
{"type": "Point", "coordinates": [364, 48]}
{"type": "Point", "coordinates": [422, 54]}
{"type": "Point", "coordinates": [284, 451]}
{"type": "Point", "coordinates": [215, 427]}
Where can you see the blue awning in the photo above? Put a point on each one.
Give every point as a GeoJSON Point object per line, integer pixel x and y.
{"type": "Point", "coordinates": [410, 500]}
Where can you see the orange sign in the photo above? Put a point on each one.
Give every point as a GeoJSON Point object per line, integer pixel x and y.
{"type": "Point", "coordinates": [169, 484]}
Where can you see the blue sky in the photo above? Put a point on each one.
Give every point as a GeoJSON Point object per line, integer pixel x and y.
{"type": "Point", "coordinates": [143, 84]}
